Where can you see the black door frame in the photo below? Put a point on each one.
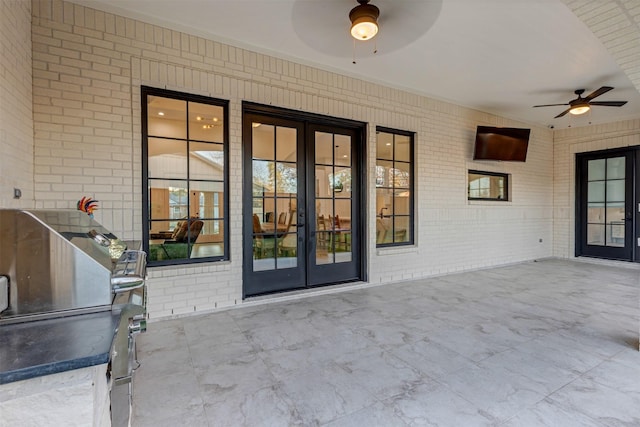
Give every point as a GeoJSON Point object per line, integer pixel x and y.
{"type": "Point", "coordinates": [632, 210]}
{"type": "Point", "coordinates": [310, 121]}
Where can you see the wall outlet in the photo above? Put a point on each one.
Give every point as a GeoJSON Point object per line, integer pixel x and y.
{"type": "Point", "coordinates": [540, 240]}
{"type": "Point", "coordinates": [17, 193]}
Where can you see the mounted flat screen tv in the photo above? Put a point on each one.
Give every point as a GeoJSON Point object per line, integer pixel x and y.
{"type": "Point", "coordinates": [505, 144]}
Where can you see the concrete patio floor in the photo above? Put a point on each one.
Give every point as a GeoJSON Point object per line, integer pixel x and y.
{"type": "Point", "coordinates": [548, 343]}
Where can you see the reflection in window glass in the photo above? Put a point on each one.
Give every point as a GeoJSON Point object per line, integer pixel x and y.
{"type": "Point", "coordinates": [186, 173]}
{"type": "Point", "coordinates": [394, 187]}
{"type": "Point", "coordinates": [487, 186]}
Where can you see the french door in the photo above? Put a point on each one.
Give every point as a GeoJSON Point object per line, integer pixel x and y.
{"type": "Point", "coordinates": [606, 197]}
{"type": "Point", "coordinates": [302, 200]}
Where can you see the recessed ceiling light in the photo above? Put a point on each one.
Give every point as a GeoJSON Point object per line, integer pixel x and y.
{"type": "Point", "coordinates": [388, 144]}
{"type": "Point", "coordinates": [215, 119]}
{"type": "Point", "coordinates": [160, 113]}
{"type": "Point", "coordinates": [345, 155]}
{"type": "Point", "coordinates": [198, 118]}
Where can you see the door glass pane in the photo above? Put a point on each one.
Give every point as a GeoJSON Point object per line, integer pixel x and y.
{"type": "Point", "coordinates": [324, 254]}
{"type": "Point", "coordinates": [286, 146]}
{"type": "Point", "coordinates": [286, 178]}
{"type": "Point", "coordinates": [342, 230]}
{"type": "Point", "coordinates": [596, 169]}
{"type": "Point", "coordinates": [324, 210]}
{"type": "Point", "coordinates": [264, 177]}
{"type": "Point", "coordinates": [595, 234]}
{"type": "Point", "coordinates": [324, 148]}
{"type": "Point", "coordinates": [595, 213]}
{"type": "Point", "coordinates": [615, 168]}
{"type": "Point", "coordinates": [343, 214]}
{"type": "Point", "coordinates": [288, 250]}
{"type": "Point", "coordinates": [615, 234]}
{"type": "Point", "coordinates": [615, 190]}
{"type": "Point", "coordinates": [341, 180]}
{"type": "Point", "coordinates": [615, 212]}
{"type": "Point", "coordinates": [324, 184]}
{"type": "Point", "coordinates": [342, 146]}
{"type": "Point", "coordinates": [263, 253]}
{"type": "Point", "coordinates": [263, 142]}
{"type": "Point", "coordinates": [596, 191]}
{"type": "Point", "coordinates": [615, 224]}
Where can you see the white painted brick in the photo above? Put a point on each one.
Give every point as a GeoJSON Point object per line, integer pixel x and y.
{"type": "Point", "coordinates": [123, 51]}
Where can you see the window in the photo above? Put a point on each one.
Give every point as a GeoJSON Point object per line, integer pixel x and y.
{"type": "Point", "coordinates": [185, 159]}
{"type": "Point", "coordinates": [394, 187]}
{"type": "Point", "coordinates": [488, 186]}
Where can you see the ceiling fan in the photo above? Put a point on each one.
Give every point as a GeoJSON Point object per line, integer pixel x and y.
{"type": "Point", "coordinates": [581, 105]}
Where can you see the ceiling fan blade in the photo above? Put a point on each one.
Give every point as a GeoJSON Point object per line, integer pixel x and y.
{"type": "Point", "coordinates": [548, 105]}
{"type": "Point", "coordinates": [598, 92]}
{"type": "Point", "coordinates": [608, 103]}
{"type": "Point", "coordinates": [563, 113]}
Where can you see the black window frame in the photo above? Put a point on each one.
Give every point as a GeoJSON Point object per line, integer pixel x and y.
{"type": "Point", "coordinates": [411, 231]}
{"type": "Point", "coordinates": [505, 176]}
{"type": "Point", "coordinates": [146, 222]}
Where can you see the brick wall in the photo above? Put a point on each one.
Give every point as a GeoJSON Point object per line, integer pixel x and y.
{"type": "Point", "coordinates": [617, 24]}
{"type": "Point", "coordinates": [568, 142]}
{"type": "Point", "coordinates": [16, 124]}
{"type": "Point", "coordinates": [88, 69]}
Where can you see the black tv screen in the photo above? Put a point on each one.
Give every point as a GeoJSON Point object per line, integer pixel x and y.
{"type": "Point", "coordinates": [506, 144]}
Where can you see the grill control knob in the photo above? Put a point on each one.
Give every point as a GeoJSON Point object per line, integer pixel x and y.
{"type": "Point", "coordinates": [137, 324]}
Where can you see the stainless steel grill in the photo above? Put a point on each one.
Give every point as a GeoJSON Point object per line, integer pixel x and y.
{"type": "Point", "coordinates": [59, 263]}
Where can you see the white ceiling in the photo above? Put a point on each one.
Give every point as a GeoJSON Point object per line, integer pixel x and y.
{"type": "Point", "coordinates": [498, 56]}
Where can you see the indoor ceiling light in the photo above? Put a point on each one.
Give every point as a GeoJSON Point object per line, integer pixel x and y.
{"type": "Point", "coordinates": [579, 108]}
{"type": "Point", "coordinates": [160, 113]}
{"type": "Point", "coordinates": [364, 20]}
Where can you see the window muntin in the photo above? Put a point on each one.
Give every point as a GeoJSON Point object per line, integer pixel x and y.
{"type": "Point", "coordinates": [487, 186]}
{"type": "Point", "coordinates": [394, 187]}
{"type": "Point", "coordinates": [185, 157]}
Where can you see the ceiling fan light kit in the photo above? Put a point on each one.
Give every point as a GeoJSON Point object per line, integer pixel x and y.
{"type": "Point", "coordinates": [579, 109]}
{"type": "Point", "coordinates": [364, 20]}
